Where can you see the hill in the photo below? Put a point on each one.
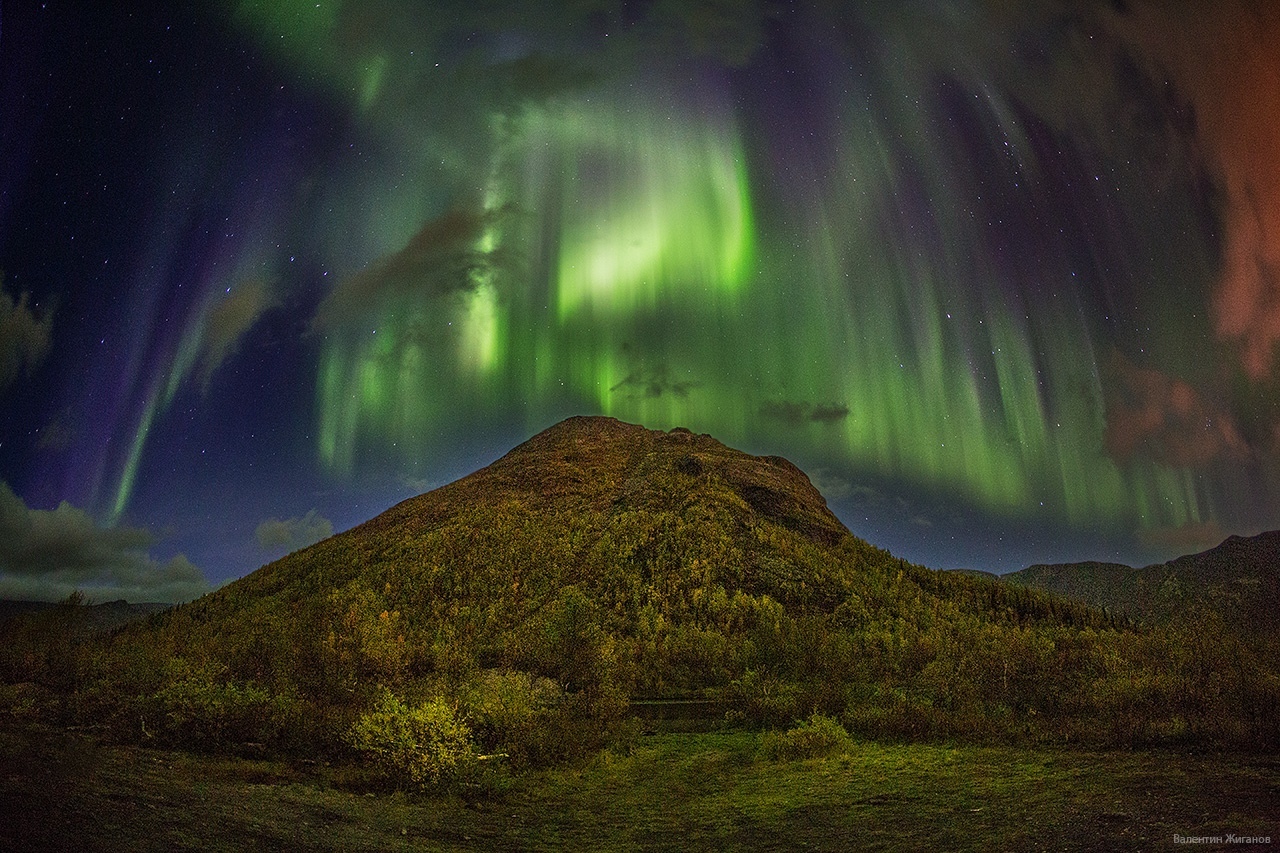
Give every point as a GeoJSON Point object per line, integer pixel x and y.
{"type": "Point", "coordinates": [665, 543]}
{"type": "Point", "coordinates": [1238, 579]}
{"type": "Point", "coordinates": [532, 608]}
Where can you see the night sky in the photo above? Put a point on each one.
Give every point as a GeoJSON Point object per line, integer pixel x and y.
{"type": "Point", "coordinates": [1002, 277]}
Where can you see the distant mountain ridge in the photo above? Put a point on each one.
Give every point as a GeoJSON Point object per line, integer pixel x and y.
{"type": "Point", "coordinates": [106, 616]}
{"type": "Point", "coordinates": [1239, 578]}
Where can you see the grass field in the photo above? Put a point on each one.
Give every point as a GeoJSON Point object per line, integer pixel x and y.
{"type": "Point", "coordinates": [714, 791]}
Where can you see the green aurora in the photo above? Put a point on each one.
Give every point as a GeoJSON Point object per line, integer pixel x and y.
{"type": "Point", "coordinates": [614, 232]}
{"type": "Point", "coordinates": [963, 263]}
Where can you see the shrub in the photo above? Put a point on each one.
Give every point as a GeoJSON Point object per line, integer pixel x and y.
{"type": "Point", "coordinates": [815, 737]}
{"type": "Point", "coordinates": [764, 700]}
{"type": "Point", "coordinates": [512, 712]}
{"type": "Point", "coordinates": [423, 743]}
{"type": "Point", "coordinates": [203, 708]}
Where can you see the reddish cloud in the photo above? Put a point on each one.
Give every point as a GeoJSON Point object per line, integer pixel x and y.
{"type": "Point", "coordinates": [1166, 419]}
{"type": "Point", "coordinates": [1223, 57]}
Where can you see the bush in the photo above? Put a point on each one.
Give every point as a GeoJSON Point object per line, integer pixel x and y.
{"type": "Point", "coordinates": [815, 737]}
{"type": "Point", "coordinates": [424, 743]}
{"type": "Point", "coordinates": [513, 712]}
{"type": "Point", "coordinates": [764, 700]}
{"type": "Point", "coordinates": [203, 708]}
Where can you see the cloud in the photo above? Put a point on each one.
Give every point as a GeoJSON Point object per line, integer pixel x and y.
{"type": "Point", "coordinates": [420, 485]}
{"type": "Point", "coordinates": [794, 413]}
{"type": "Point", "coordinates": [1149, 412]}
{"type": "Point", "coordinates": [830, 484]}
{"type": "Point", "coordinates": [228, 320]}
{"type": "Point", "coordinates": [293, 533]}
{"type": "Point", "coordinates": [442, 258]}
{"type": "Point", "coordinates": [26, 335]}
{"type": "Point", "coordinates": [1190, 538]}
{"type": "Point", "coordinates": [48, 554]}
{"type": "Point", "coordinates": [55, 435]}
{"type": "Point", "coordinates": [786, 412]}
{"type": "Point", "coordinates": [1225, 64]}
{"type": "Point", "coordinates": [866, 496]}
{"type": "Point", "coordinates": [828, 414]}
{"type": "Point", "coordinates": [654, 382]}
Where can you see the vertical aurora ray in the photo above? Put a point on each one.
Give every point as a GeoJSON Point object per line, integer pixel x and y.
{"type": "Point", "coordinates": [653, 244]}
{"type": "Point", "coordinates": [192, 297]}
{"type": "Point", "coordinates": [961, 374]}
{"type": "Point", "coordinates": [197, 342]}
{"type": "Point", "coordinates": [653, 207]}
{"type": "Point", "coordinates": [652, 239]}
{"type": "Point", "coordinates": [876, 332]}
{"type": "Point", "coordinates": [884, 274]}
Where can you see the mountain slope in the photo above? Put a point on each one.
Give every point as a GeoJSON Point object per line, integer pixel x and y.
{"type": "Point", "coordinates": [584, 497]}
{"type": "Point", "coordinates": [1239, 579]}
{"type": "Point", "coordinates": [643, 526]}
{"type": "Point", "coordinates": [677, 563]}
{"type": "Point", "coordinates": [601, 562]}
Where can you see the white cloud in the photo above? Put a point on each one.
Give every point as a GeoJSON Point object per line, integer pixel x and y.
{"type": "Point", "coordinates": [293, 533]}
{"type": "Point", "coordinates": [830, 483]}
{"type": "Point", "coordinates": [48, 554]}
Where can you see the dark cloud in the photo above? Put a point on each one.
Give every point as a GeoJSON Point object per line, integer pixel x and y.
{"type": "Point", "coordinates": [293, 533]}
{"type": "Point", "coordinates": [26, 334]}
{"type": "Point", "coordinates": [785, 412]}
{"type": "Point", "coordinates": [48, 554]}
{"type": "Point", "coordinates": [55, 435]}
{"type": "Point", "coordinates": [228, 320]}
{"type": "Point", "coordinates": [1190, 538]}
{"type": "Point", "coordinates": [1167, 419]}
{"type": "Point", "coordinates": [440, 259]}
{"type": "Point", "coordinates": [795, 413]}
{"type": "Point", "coordinates": [830, 413]}
{"type": "Point", "coordinates": [654, 382]}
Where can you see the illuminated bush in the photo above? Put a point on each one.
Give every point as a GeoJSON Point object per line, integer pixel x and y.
{"type": "Point", "coordinates": [423, 743]}
{"type": "Point", "coordinates": [764, 699]}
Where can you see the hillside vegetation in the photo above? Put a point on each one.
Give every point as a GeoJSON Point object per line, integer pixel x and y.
{"type": "Point", "coordinates": [522, 615]}
{"type": "Point", "coordinates": [1238, 579]}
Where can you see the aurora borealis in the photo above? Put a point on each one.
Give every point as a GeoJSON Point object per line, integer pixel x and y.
{"type": "Point", "coordinates": [1002, 277]}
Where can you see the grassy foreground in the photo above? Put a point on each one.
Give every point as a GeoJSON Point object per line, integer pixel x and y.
{"type": "Point", "coordinates": [61, 791]}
